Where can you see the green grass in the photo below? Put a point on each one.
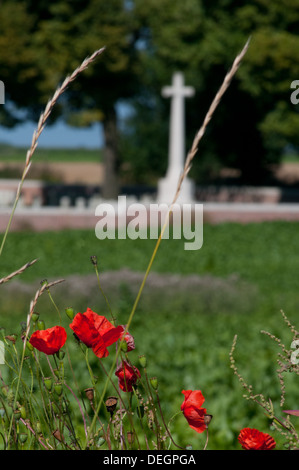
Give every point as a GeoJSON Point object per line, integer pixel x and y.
{"type": "Point", "coordinates": [18, 154]}
{"type": "Point", "coordinates": [186, 334]}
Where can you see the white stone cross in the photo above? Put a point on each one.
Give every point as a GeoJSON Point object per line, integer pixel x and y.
{"type": "Point", "coordinates": [176, 158]}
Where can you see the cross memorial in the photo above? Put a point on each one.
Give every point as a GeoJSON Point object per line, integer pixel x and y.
{"type": "Point", "coordinates": [176, 158]}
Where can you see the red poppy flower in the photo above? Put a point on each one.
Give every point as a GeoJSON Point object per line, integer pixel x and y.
{"type": "Point", "coordinates": [193, 411]}
{"type": "Point", "coordinates": [129, 339]}
{"type": "Point", "coordinates": [127, 376]}
{"type": "Point", "coordinates": [49, 341]}
{"type": "Point", "coordinates": [252, 439]}
{"type": "Point", "coordinates": [95, 331]}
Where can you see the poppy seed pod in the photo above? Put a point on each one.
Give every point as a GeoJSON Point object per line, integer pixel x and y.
{"type": "Point", "coordinates": [130, 437]}
{"type": "Point", "coordinates": [11, 338]}
{"type": "Point", "coordinates": [89, 392]}
{"type": "Point", "coordinates": [58, 435]}
{"type": "Point", "coordinates": [111, 403]}
{"type": "Point", "coordinates": [70, 312]}
{"type": "Point", "coordinates": [142, 360]}
{"type": "Point", "coordinates": [48, 383]}
{"type": "Point", "coordinates": [154, 382]}
{"type": "Point", "coordinates": [207, 419]}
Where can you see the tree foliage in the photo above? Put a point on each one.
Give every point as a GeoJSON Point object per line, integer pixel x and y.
{"type": "Point", "coordinates": [41, 42]}
{"type": "Point", "coordinates": [256, 119]}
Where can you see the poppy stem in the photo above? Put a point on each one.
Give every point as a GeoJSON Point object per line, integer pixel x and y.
{"type": "Point", "coordinates": [207, 439]}
{"type": "Point", "coordinates": [103, 294]}
{"type": "Point", "coordinates": [165, 425]}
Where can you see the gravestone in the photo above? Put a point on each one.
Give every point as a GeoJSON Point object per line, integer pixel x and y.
{"type": "Point", "coordinates": [176, 157]}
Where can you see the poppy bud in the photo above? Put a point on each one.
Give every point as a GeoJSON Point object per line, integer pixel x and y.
{"type": "Point", "coordinates": [111, 403]}
{"type": "Point", "coordinates": [101, 441]}
{"type": "Point", "coordinates": [70, 312]}
{"type": "Point", "coordinates": [38, 427]}
{"type": "Point", "coordinates": [58, 388]}
{"type": "Point", "coordinates": [41, 325]}
{"type": "Point", "coordinates": [23, 412]}
{"type": "Point", "coordinates": [154, 382]}
{"type": "Point", "coordinates": [35, 317]}
{"type": "Point", "coordinates": [48, 383]}
{"type": "Point", "coordinates": [23, 437]}
{"type": "Point", "coordinates": [142, 360]}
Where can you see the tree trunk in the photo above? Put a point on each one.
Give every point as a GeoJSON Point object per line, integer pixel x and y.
{"type": "Point", "coordinates": [110, 185]}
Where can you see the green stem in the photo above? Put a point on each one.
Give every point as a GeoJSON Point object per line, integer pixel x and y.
{"type": "Point", "coordinates": [104, 295]}
{"type": "Point", "coordinates": [129, 323]}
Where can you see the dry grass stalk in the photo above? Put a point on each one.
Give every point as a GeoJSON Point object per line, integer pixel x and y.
{"type": "Point", "coordinates": [19, 271]}
{"type": "Point", "coordinates": [226, 82]}
{"type": "Point", "coordinates": [39, 292]}
{"type": "Point", "coordinates": [41, 125]}
{"type": "Point", "coordinates": [51, 103]}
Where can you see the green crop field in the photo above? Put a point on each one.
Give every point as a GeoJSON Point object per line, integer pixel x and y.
{"type": "Point", "coordinates": [237, 283]}
{"type": "Point", "coordinates": [42, 154]}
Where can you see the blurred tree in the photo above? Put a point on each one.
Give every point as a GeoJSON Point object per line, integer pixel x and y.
{"type": "Point", "coordinates": [41, 42]}
{"type": "Point", "coordinates": [256, 119]}
{"type": "Point", "coordinates": [146, 41]}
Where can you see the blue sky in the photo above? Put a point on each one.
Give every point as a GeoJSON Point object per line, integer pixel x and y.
{"type": "Point", "coordinates": [58, 135]}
